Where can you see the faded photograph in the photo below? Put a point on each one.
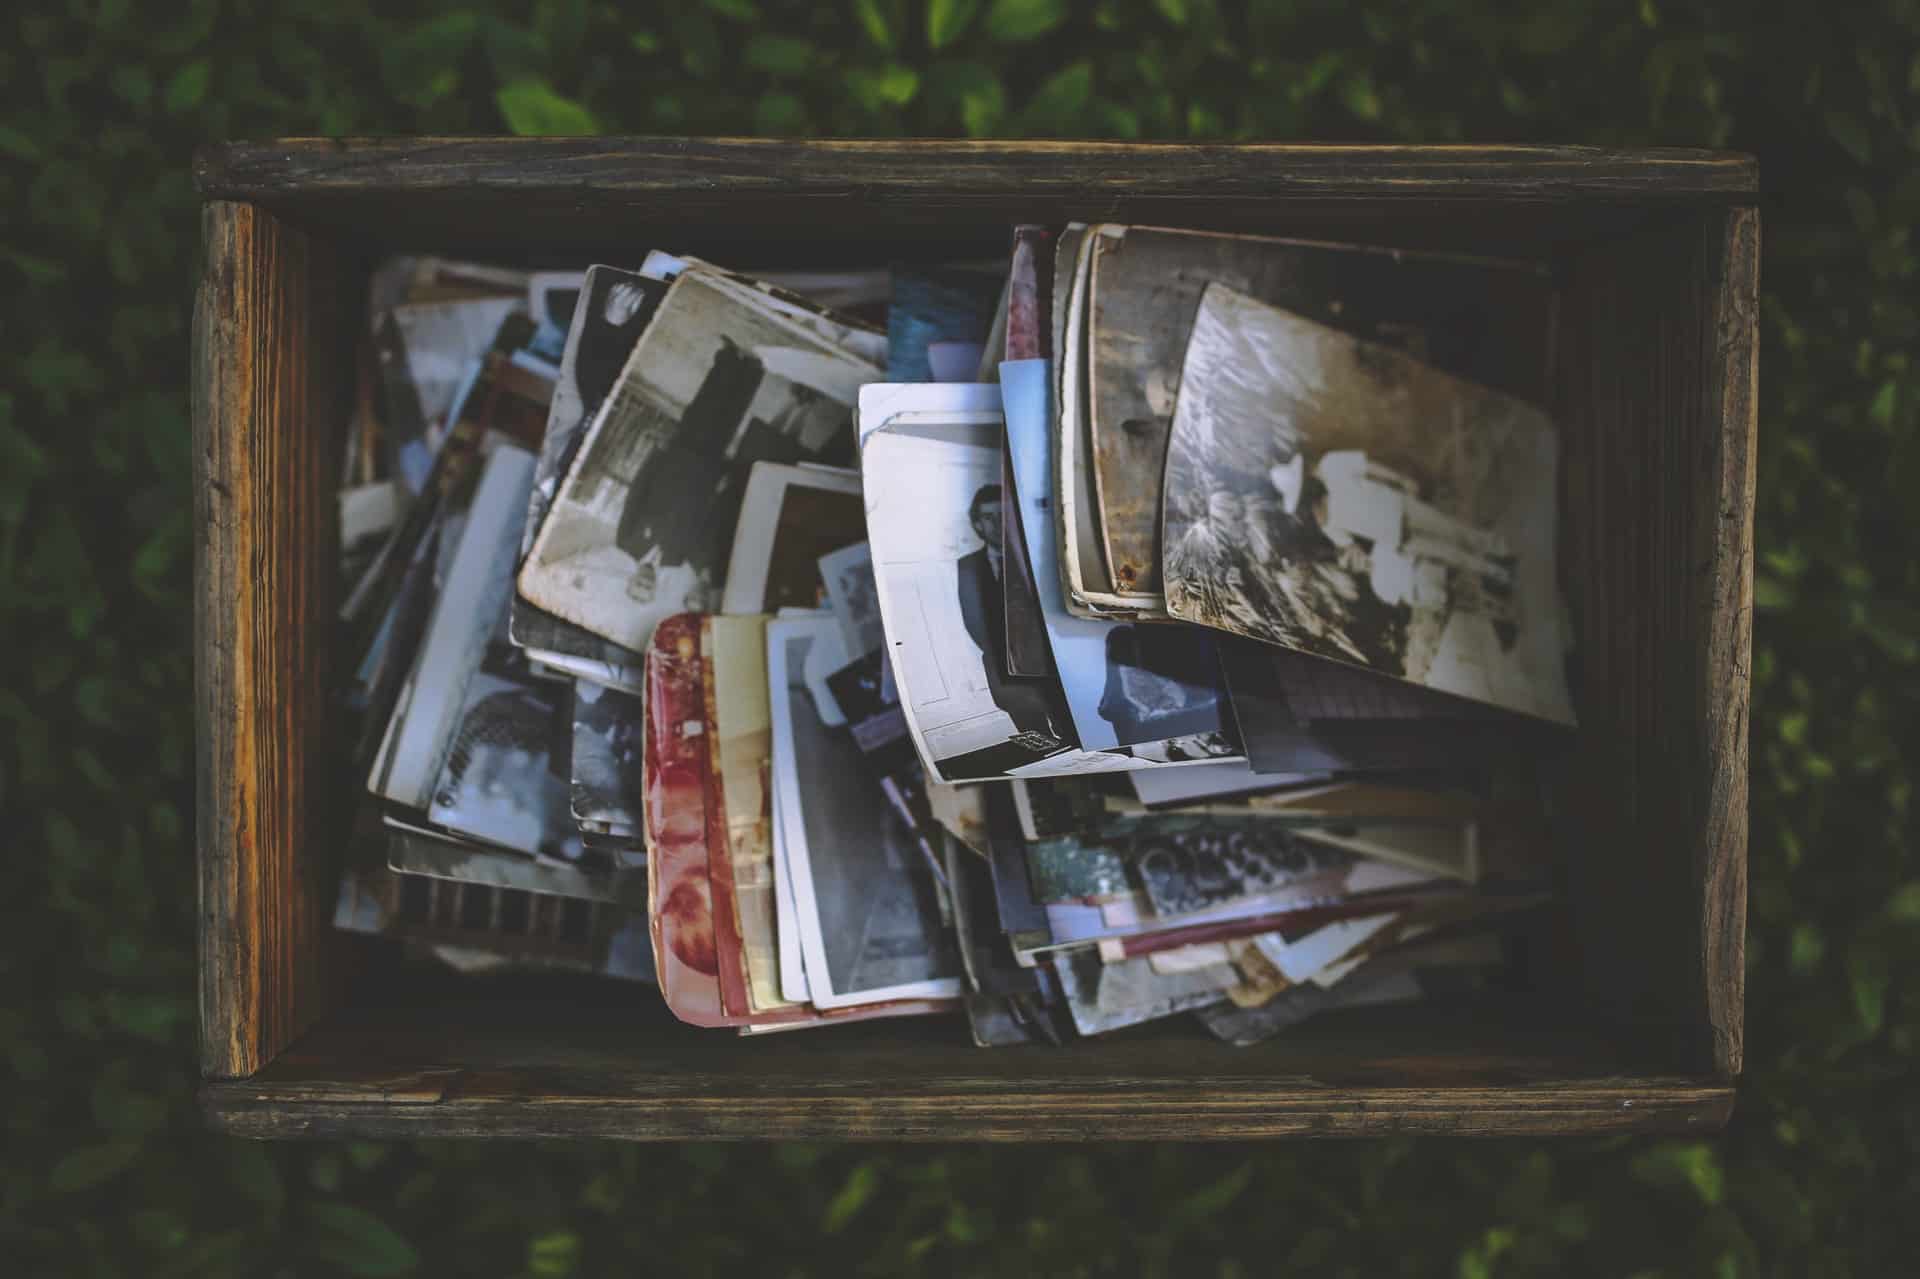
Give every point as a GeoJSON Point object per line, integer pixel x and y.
{"type": "Point", "coordinates": [934, 529]}
{"type": "Point", "coordinates": [505, 779]}
{"type": "Point", "coordinates": [643, 524]}
{"type": "Point", "coordinates": [847, 575]}
{"type": "Point", "coordinates": [1336, 497]}
{"type": "Point", "coordinates": [869, 905]}
{"type": "Point", "coordinates": [608, 726]}
{"type": "Point", "coordinates": [790, 518]}
{"type": "Point", "coordinates": [614, 307]}
{"type": "Point", "coordinates": [1476, 318]}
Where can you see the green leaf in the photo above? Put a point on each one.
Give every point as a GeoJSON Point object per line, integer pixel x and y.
{"type": "Point", "coordinates": [188, 86]}
{"type": "Point", "coordinates": [90, 1166]}
{"type": "Point", "coordinates": [948, 20]}
{"type": "Point", "coordinates": [890, 87]}
{"type": "Point", "coordinates": [1208, 1202]}
{"type": "Point", "coordinates": [552, 1255]}
{"type": "Point", "coordinates": [532, 109]}
{"type": "Point", "coordinates": [1693, 1164]}
{"type": "Point", "coordinates": [357, 1241]}
{"type": "Point", "coordinates": [1868, 976]}
{"type": "Point", "coordinates": [17, 144]}
{"type": "Point", "coordinates": [1851, 134]}
{"type": "Point", "coordinates": [1904, 905]}
{"type": "Point", "coordinates": [778, 55]}
{"type": "Point", "coordinates": [967, 93]}
{"type": "Point", "coordinates": [851, 1198]}
{"type": "Point", "coordinates": [1017, 20]}
{"type": "Point", "coordinates": [159, 1230]}
{"type": "Point", "coordinates": [780, 114]}
{"type": "Point", "coordinates": [1057, 105]}
{"type": "Point", "coordinates": [874, 20]}
{"type": "Point", "coordinates": [1880, 413]}
{"type": "Point", "coordinates": [1175, 11]}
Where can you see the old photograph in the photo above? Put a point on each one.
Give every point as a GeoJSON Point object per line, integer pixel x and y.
{"type": "Point", "coordinates": [614, 306]}
{"type": "Point", "coordinates": [934, 530]}
{"type": "Point", "coordinates": [741, 743]}
{"type": "Point", "coordinates": [607, 727]}
{"type": "Point", "coordinates": [872, 925]}
{"type": "Point", "coordinates": [1477, 318]}
{"type": "Point", "coordinates": [847, 575]}
{"type": "Point", "coordinates": [1337, 497]}
{"type": "Point", "coordinates": [1125, 684]}
{"type": "Point", "coordinates": [505, 780]}
{"type": "Point", "coordinates": [790, 517]}
{"type": "Point", "coordinates": [643, 524]}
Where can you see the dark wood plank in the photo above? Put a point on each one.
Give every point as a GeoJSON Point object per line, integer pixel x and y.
{"type": "Point", "coordinates": [559, 201]}
{"type": "Point", "coordinates": [895, 168]}
{"type": "Point", "coordinates": [430, 1056]}
{"type": "Point", "coordinates": [1657, 396]}
{"type": "Point", "coordinates": [518, 1105]}
{"type": "Point", "coordinates": [265, 400]}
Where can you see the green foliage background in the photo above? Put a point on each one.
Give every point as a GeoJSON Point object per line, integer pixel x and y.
{"type": "Point", "coordinates": [106, 1170]}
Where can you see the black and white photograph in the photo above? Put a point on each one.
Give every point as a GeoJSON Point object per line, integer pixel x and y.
{"type": "Point", "coordinates": [1340, 498]}
{"type": "Point", "coordinates": [505, 780]}
{"type": "Point", "coordinates": [428, 352]}
{"type": "Point", "coordinates": [459, 625]}
{"type": "Point", "coordinates": [1106, 997]}
{"type": "Point", "coordinates": [1192, 864]}
{"type": "Point", "coordinates": [847, 575]}
{"type": "Point", "coordinates": [1126, 684]}
{"type": "Point", "coordinates": [871, 921]}
{"type": "Point", "coordinates": [1477, 318]}
{"type": "Point", "coordinates": [419, 850]}
{"type": "Point", "coordinates": [614, 307]}
{"type": "Point", "coordinates": [934, 530]}
{"type": "Point", "coordinates": [789, 518]}
{"type": "Point", "coordinates": [553, 298]}
{"type": "Point", "coordinates": [643, 524]}
{"type": "Point", "coordinates": [478, 744]}
{"type": "Point", "coordinates": [608, 725]}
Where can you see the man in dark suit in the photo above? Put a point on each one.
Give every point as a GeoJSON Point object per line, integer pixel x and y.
{"type": "Point", "coordinates": [983, 610]}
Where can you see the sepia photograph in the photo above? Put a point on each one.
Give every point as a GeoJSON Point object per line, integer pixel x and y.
{"type": "Point", "coordinates": [872, 924]}
{"type": "Point", "coordinates": [1477, 318]}
{"type": "Point", "coordinates": [1339, 498]}
{"type": "Point", "coordinates": [643, 524]}
{"type": "Point", "coordinates": [790, 517]}
{"type": "Point", "coordinates": [741, 746]}
{"type": "Point", "coordinates": [613, 308]}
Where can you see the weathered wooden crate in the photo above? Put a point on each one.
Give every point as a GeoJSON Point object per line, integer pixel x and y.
{"type": "Point", "coordinates": [305, 1031]}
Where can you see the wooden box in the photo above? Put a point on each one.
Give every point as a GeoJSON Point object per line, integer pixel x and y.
{"type": "Point", "coordinates": [306, 1031]}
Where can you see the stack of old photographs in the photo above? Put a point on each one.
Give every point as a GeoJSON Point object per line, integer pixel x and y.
{"type": "Point", "coordinates": [465, 845]}
{"type": "Point", "coordinates": [1161, 622]}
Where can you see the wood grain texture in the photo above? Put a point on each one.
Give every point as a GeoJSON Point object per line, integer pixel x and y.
{"type": "Point", "coordinates": [1657, 397]}
{"type": "Point", "coordinates": [430, 1058]}
{"type": "Point", "coordinates": [562, 200]}
{"type": "Point", "coordinates": [894, 168]}
{"type": "Point", "coordinates": [264, 390]}
{"type": "Point", "coordinates": [510, 1105]}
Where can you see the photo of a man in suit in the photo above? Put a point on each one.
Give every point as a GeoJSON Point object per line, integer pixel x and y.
{"type": "Point", "coordinates": [983, 609]}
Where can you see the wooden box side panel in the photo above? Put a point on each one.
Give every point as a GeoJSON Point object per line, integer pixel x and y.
{"type": "Point", "coordinates": [1659, 366]}
{"type": "Point", "coordinates": [266, 395]}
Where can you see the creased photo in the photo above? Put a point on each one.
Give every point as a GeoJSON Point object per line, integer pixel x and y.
{"type": "Point", "coordinates": [643, 524]}
{"type": "Point", "coordinates": [1340, 498]}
